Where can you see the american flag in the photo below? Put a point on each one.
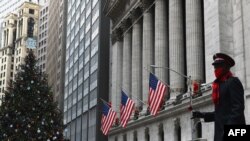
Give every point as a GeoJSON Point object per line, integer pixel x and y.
{"type": "Point", "coordinates": [127, 106]}
{"type": "Point", "coordinates": [156, 93]}
{"type": "Point", "coordinates": [108, 118]}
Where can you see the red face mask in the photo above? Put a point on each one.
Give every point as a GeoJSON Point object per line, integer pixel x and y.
{"type": "Point", "coordinates": [218, 72]}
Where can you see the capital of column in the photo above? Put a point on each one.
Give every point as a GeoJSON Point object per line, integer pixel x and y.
{"type": "Point", "coordinates": [146, 4]}
{"type": "Point", "coordinates": [117, 35]}
{"type": "Point", "coordinates": [126, 24]}
{"type": "Point", "coordinates": [177, 122]}
{"type": "Point", "coordinates": [135, 14]}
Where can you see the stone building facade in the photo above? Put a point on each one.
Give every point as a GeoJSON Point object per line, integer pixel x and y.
{"type": "Point", "coordinates": [7, 52]}
{"type": "Point", "coordinates": [43, 37]}
{"type": "Point", "coordinates": [56, 47]}
{"type": "Point", "coordinates": [17, 31]}
{"type": "Point", "coordinates": [27, 30]}
{"type": "Point", "coordinates": [183, 36]}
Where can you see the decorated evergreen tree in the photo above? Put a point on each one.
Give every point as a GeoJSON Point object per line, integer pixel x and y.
{"type": "Point", "coordinates": [28, 112]}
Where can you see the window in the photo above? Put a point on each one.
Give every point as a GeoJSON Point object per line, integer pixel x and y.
{"type": "Point", "coordinates": [95, 29]}
{"type": "Point", "coordinates": [94, 46]}
{"type": "Point", "coordinates": [93, 80]}
{"type": "Point", "coordinates": [85, 103]}
{"type": "Point", "coordinates": [78, 128]}
{"type": "Point", "coordinates": [79, 108]}
{"type": "Point", "coordinates": [31, 23]}
{"type": "Point", "coordinates": [95, 13]}
{"type": "Point", "coordinates": [86, 71]}
{"type": "Point", "coordinates": [79, 93]}
{"type": "Point", "coordinates": [92, 125]}
{"type": "Point", "coordinates": [31, 11]}
{"type": "Point", "coordinates": [75, 68]}
{"type": "Point", "coordinates": [84, 127]}
{"type": "Point", "coordinates": [93, 98]}
{"type": "Point", "coordinates": [80, 62]}
{"type": "Point", "coordinates": [74, 97]}
{"type": "Point", "coordinates": [74, 83]}
{"type": "Point", "coordinates": [80, 77]}
{"type": "Point", "coordinates": [94, 63]}
{"type": "Point", "coordinates": [86, 54]}
{"type": "Point", "coordinates": [86, 87]}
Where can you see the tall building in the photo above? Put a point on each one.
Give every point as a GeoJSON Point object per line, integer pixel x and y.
{"type": "Point", "coordinates": [56, 48]}
{"type": "Point", "coordinates": [182, 36]}
{"type": "Point", "coordinates": [27, 32]}
{"type": "Point", "coordinates": [10, 6]}
{"type": "Point", "coordinates": [87, 71]}
{"type": "Point", "coordinates": [43, 37]}
{"type": "Point", "coordinates": [19, 34]}
{"type": "Point", "coordinates": [7, 52]}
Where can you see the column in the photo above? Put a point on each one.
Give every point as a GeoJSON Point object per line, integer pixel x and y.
{"type": "Point", "coordinates": [154, 132]}
{"type": "Point", "coordinates": [161, 46]}
{"type": "Point", "coordinates": [176, 47]}
{"type": "Point", "coordinates": [246, 32]}
{"type": "Point", "coordinates": [130, 135]}
{"type": "Point", "coordinates": [194, 40]}
{"type": "Point", "coordinates": [10, 42]}
{"type": "Point", "coordinates": [116, 69]}
{"type": "Point", "coordinates": [147, 50]}
{"type": "Point", "coordinates": [126, 61]}
{"type": "Point", "coordinates": [136, 90]}
{"type": "Point", "coordinates": [25, 26]}
{"type": "Point", "coordinates": [238, 35]}
{"type": "Point", "coordinates": [141, 134]}
{"type": "Point", "coordinates": [2, 41]}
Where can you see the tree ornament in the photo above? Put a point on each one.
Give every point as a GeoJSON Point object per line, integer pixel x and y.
{"type": "Point", "coordinates": [25, 113]}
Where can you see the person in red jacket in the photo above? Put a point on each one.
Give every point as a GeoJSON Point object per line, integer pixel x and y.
{"type": "Point", "coordinates": [227, 96]}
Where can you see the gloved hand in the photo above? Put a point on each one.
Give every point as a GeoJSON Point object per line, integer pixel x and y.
{"type": "Point", "coordinates": [197, 114]}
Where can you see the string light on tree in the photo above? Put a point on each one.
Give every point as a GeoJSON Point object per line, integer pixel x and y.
{"type": "Point", "coordinates": [26, 110]}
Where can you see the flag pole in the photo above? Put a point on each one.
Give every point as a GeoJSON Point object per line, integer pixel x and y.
{"type": "Point", "coordinates": [132, 95]}
{"type": "Point", "coordinates": [154, 66]}
{"type": "Point", "coordinates": [189, 83]}
{"type": "Point", "coordinates": [157, 77]}
{"type": "Point", "coordinates": [105, 102]}
{"type": "Point", "coordinates": [139, 100]}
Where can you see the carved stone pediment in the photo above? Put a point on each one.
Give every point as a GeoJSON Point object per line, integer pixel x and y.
{"type": "Point", "coordinates": [110, 6]}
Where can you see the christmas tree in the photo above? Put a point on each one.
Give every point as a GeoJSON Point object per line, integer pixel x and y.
{"type": "Point", "coordinates": [28, 112]}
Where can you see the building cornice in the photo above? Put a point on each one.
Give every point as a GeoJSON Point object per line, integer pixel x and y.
{"type": "Point", "coordinates": [169, 111]}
